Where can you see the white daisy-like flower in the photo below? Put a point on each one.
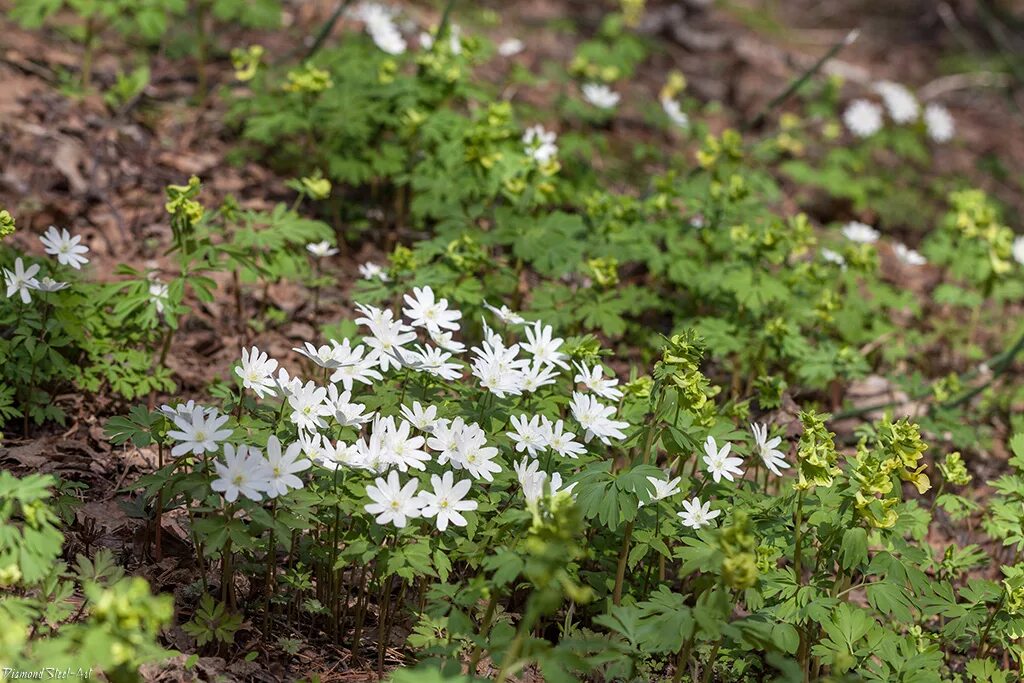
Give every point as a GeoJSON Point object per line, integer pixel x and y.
{"type": "Point", "coordinates": [939, 123]}
{"type": "Point", "coordinates": [199, 432]}
{"type": "Point", "coordinates": [393, 502]}
{"type": "Point", "coordinates": [719, 464]}
{"type": "Point", "coordinates": [419, 417]}
{"type": "Point", "coordinates": [447, 501]}
{"type": "Point", "coordinates": [505, 314]}
{"type": "Point", "coordinates": [309, 407]}
{"type": "Point", "coordinates": [371, 270]}
{"type": "Point", "coordinates": [855, 231]}
{"type": "Point", "coordinates": [67, 248]}
{"type": "Point", "coordinates": [346, 412]}
{"type": "Point", "coordinates": [543, 345]}
{"type": "Point", "coordinates": [593, 379]}
{"type": "Point", "coordinates": [424, 310]}
{"type": "Point", "coordinates": [675, 112]}
{"type": "Point", "coordinates": [324, 356]}
{"type": "Point", "coordinates": [663, 489]}
{"type": "Point", "coordinates": [696, 514]}
{"type": "Point", "coordinates": [401, 448]}
{"type": "Point", "coordinates": [600, 95]}
{"type": "Point", "coordinates": [510, 47]}
{"type": "Point", "coordinates": [901, 103]}
{"type": "Point", "coordinates": [538, 375]}
{"type": "Point", "coordinates": [158, 294]}
{"type": "Point", "coordinates": [321, 249]}
{"type": "Point", "coordinates": [48, 284]}
{"type": "Point", "coordinates": [771, 456]}
{"type": "Point", "coordinates": [527, 434]}
{"type": "Point", "coordinates": [908, 255]}
{"type": "Point", "coordinates": [242, 472]}
{"type": "Point", "coordinates": [863, 118]}
{"type": "Point", "coordinates": [21, 280]}
{"type": "Point", "coordinates": [257, 372]}
{"type": "Point", "coordinates": [282, 467]}
{"type": "Point", "coordinates": [595, 418]}
{"type": "Point", "coordinates": [560, 441]}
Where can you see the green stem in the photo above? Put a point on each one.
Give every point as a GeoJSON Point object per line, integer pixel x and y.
{"type": "Point", "coordinates": [620, 571]}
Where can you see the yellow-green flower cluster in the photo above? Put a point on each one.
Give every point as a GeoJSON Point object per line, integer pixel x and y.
{"type": "Point", "coordinates": [679, 368]}
{"type": "Point", "coordinates": [727, 147]}
{"type": "Point", "coordinates": [246, 62]}
{"type": "Point", "coordinates": [316, 186]}
{"type": "Point", "coordinates": [6, 223]}
{"type": "Point", "coordinates": [308, 79]}
{"type": "Point", "coordinates": [954, 471]}
{"type": "Point", "coordinates": [1013, 587]}
{"type": "Point", "coordinates": [484, 136]}
{"type": "Point", "coordinates": [605, 271]}
{"type": "Point", "coordinates": [184, 209]}
{"type": "Point", "coordinates": [898, 450]}
{"type": "Point", "coordinates": [816, 453]}
{"type": "Point", "coordinates": [975, 217]}
{"type": "Point", "coordinates": [130, 613]}
{"type": "Point", "coordinates": [739, 549]}
{"type": "Point", "coordinates": [468, 255]}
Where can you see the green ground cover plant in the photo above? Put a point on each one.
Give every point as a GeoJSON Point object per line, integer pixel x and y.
{"type": "Point", "coordinates": [582, 422]}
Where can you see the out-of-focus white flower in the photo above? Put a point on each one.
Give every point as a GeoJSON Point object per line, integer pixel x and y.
{"type": "Point", "coordinates": [863, 118]}
{"type": "Point", "coordinates": [939, 123]}
{"type": "Point", "coordinates": [540, 144]}
{"type": "Point", "coordinates": [321, 249]}
{"type": "Point", "coordinates": [1018, 249]}
{"type": "Point", "coordinates": [856, 231]}
{"type": "Point", "coordinates": [675, 112]}
{"type": "Point", "coordinates": [901, 103]}
{"type": "Point", "coordinates": [600, 95]}
{"type": "Point", "coordinates": [371, 270]}
{"type": "Point", "coordinates": [908, 255]}
{"type": "Point", "coordinates": [510, 47]}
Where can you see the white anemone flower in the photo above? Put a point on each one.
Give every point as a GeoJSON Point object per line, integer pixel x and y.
{"type": "Point", "coordinates": [719, 464]}
{"type": "Point", "coordinates": [199, 432]}
{"type": "Point", "coordinates": [393, 502]}
{"type": "Point", "coordinates": [67, 248]}
{"type": "Point", "coordinates": [21, 280]}
{"type": "Point", "coordinates": [242, 472]}
{"type": "Point", "coordinates": [282, 467]}
{"type": "Point", "coordinates": [768, 449]}
{"type": "Point", "coordinates": [696, 514]}
{"type": "Point", "coordinates": [447, 501]}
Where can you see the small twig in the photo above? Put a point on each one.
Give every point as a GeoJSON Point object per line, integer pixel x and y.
{"type": "Point", "coordinates": [798, 82]}
{"type": "Point", "coordinates": [327, 28]}
{"type": "Point", "coordinates": [945, 84]}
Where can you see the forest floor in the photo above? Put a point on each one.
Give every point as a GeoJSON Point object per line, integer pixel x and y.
{"type": "Point", "coordinates": [75, 162]}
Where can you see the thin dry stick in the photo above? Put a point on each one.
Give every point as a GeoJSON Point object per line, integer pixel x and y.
{"type": "Point", "coordinates": [798, 82]}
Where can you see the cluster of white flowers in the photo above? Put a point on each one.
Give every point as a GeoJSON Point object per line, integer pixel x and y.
{"type": "Point", "coordinates": [863, 118]}
{"type": "Point", "coordinates": [68, 250]}
{"type": "Point", "coordinates": [721, 465]}
{"type": "Point", "coordinates": [600, 95]}
{"type": "Point", "coordinates": [381, 27]}
{"type": "Point", "coordinates": [540, 144]}
{"type": "Point", "coordinates": [417, 438]}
